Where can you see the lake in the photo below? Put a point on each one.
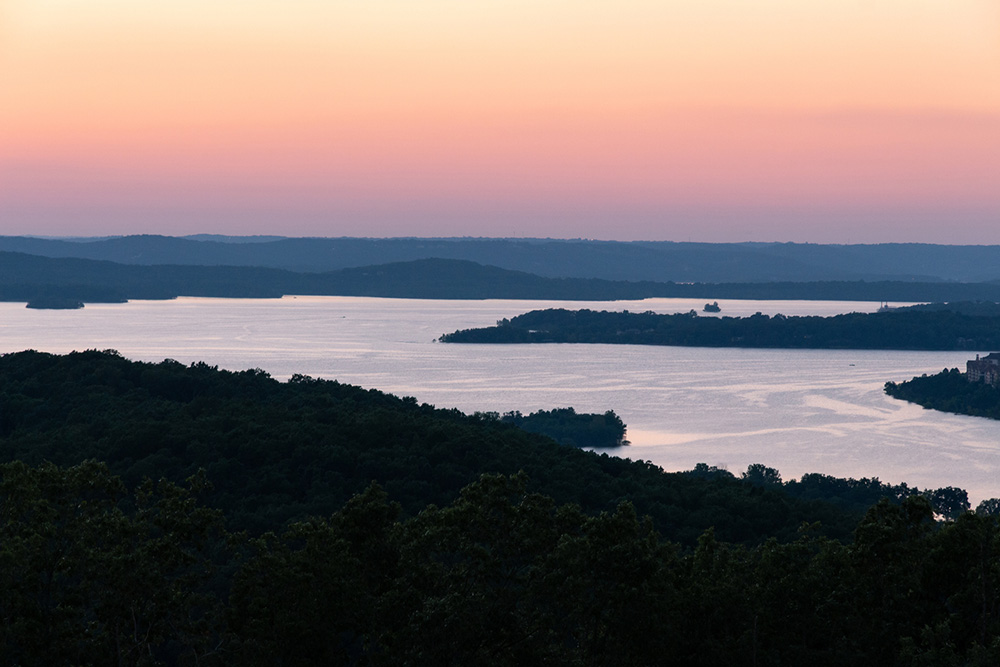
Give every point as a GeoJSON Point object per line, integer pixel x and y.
{"type": "Point", "coordinates": [795, 410]}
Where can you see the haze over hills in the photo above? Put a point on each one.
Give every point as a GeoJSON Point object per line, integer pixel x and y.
{"type": "Point", "coordinates": [50, 282]}
{"type": "Point", "coordinates": [553, 258]}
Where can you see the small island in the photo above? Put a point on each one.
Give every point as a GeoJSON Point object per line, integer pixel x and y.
{"type": "Point", "coordinates": [55, 303]}
{"type": "Point", "coordinates": [571, 428]}
{"type": "Point", "coordinates": [712, 307]}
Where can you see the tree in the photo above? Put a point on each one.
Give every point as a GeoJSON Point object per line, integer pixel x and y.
{"type": "Point", "coordinates": [950, 501]}
{"type": "Point", "coordinates": [761, 475]}
{"type": "Point", "coordinates": [889, 559]}
{"type": "Point", "coordinates": [311, 595]}
{"type": "Point", "coordinates": [989, 507]}
{"type": "Point", "coordinates": [93, 574]}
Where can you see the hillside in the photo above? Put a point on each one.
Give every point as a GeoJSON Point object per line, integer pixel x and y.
{"type": "Point", "coordinates": [279, 451]}
{"type": "Point", "coordinates": [26, 277]}
{"type": "Point", "coordinates": [441, 560]}
{"type": "Point", "coordinates": [554, 258]}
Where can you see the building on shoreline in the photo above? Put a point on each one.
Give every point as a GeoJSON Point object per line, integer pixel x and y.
{"type": "Point", "coordinates": [985, 369]}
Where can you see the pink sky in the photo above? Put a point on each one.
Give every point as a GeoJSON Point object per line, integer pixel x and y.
{"type": "Point", "coordinates": [715, 120]}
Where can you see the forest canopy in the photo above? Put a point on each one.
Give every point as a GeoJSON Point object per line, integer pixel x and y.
{"type": "Point", "coordinates": [279, 451]}
{"type": "Point", "coordinates": [157, 513]}
{"type": "Point", "coordinates": [569, 427]}
{"type": "Point", "coordinates": [902, 329]}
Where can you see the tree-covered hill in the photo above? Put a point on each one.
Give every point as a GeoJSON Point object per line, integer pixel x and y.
{"type": "Point", "coordinates": [658, 261]}
{"type": "Point", "coordinates": [903, 329]}
{"type": "Point", "coordinates": [451, 556]}
{"type": "Point", "coordinates": [95, 571]}
{"type": "Point", "coordinates": [279, 451]}
{"type": "Point", "coordinates": [568, 427]}
{"type": "Point", "coordinates": [28, 277]}
{"type": "Point", "coordinates": [32, 278]}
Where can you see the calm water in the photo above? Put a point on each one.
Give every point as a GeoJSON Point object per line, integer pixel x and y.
{"type": "Point", "coordinates": [798, 411]}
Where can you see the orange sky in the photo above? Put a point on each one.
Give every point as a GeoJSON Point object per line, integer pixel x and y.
{"type": "Point", "coordinates": [829, 121]}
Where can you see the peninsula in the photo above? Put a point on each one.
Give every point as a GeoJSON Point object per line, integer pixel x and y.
{"type": "Point", "coordinates": [975, 392]}
{"type": "Point", "coordinates": [899, 329]}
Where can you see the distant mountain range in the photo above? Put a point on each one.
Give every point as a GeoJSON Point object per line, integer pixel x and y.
{"type": "Point", "coordinates": [56, 282]}
{"type": "Point", "coordinates": [607, 260]}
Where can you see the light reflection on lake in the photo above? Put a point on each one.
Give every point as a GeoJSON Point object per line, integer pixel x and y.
{"type": "Point", "coordinates": [796, 410]}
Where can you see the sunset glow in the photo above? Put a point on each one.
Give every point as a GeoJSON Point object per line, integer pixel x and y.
{"type": "Point", "coordinates": [715, 120]}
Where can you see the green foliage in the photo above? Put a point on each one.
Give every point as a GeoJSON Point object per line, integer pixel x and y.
{"type": "Point", "coordinates": [312, 595]}
{"type": "Point", "coordinates": [568, 427]}
{"type": "Point", "coordinates": [582, 560]}
{"type": "Point", "coordinates": [761, 475]}
{"type": "Point", "coordinates": [278, 452]}
{"type": "Point", "coordinates": [91, 574]}
{"type": "Point", "coordinates": [500, 577]}
{"type": "Point", "coordinates": [503, 576]}
{"type": "Point", "coordinates": [988, 507]}
{"type": "Point", "coordinates": [901, 329]}
{"type": "Point", "coordinates": [949, 391]}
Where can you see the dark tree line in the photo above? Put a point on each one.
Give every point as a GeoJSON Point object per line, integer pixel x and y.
{"type": "Point", "coordinates": [903, 329]}
{"type": "Point", "coordinates": [96, 573]}
{"type": "Point", "coordinates": [569, 427]}
{"type": "Point", "coordinates": [949, 391]}
{"type": "Point", "coordinates": [278, 451]}
{"type": "Point", "coordinates": [48, 280]}
{"type": "Point", "coordinates": [168, 514]}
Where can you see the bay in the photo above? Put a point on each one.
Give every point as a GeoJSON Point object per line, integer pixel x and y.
{"type": "Point", "coordinates": [795, 410]}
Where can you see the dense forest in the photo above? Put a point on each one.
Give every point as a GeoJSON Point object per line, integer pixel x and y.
{"type": "Point", "coordinates": [171, 514]}
{"type": "Point", "coordinates": [277, 451]}
{"type": "Point", "coordinates": [54, 282]}
{"type": "Point", "coordinates": [976, 308]}
{"type": "Point", "coordinates": [949, 391]}
{"type": "Point", "coordinates": [902, 329]}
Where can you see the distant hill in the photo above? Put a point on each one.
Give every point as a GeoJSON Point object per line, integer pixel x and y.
{"type": "Point", "coordinates": [288, 450]}
{"type": "Point", "coordinates": [974, 308]}
{"type": "Point", "coordinates": [553, 258]}
{"type": "Point", "coordinates": [29, 277]}
{"type": "Point", "coordinates": [26, 277]}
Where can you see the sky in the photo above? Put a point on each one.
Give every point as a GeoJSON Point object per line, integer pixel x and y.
{"type": "Point", "coordinates": [827, 121]}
